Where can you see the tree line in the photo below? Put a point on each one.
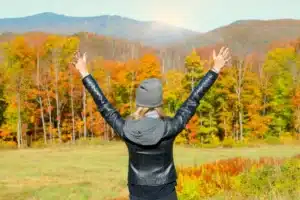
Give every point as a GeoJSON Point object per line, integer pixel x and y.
{"type": "Point", "coordinates": [42, 97]}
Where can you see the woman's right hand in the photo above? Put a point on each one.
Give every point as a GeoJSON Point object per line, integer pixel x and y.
{"type": "Point", "coordinates": [221, 59]}
{"type": "Point", "coordinates": [80, 63]}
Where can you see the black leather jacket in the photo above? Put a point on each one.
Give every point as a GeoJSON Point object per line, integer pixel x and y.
{"type": "Point", "coordinates": [151, 164]}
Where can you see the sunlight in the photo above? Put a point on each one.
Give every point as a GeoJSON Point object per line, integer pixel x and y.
{"type": "Point", "coordinates": [172, 20]}
{"type": "Point", "coordinates": [169, 16]}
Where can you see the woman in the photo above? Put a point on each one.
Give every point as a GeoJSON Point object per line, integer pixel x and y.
{"type": "Point", "coordinates": [148, 134]}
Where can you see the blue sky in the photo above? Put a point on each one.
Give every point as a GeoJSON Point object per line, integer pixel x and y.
{"type": "Point", "coordinates": [199, 15]}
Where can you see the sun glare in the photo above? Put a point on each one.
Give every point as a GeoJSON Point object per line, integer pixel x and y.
{"type": "Point", "coordinates": [172, 20]}
{"type": "Point", "coordinates": [169, 16]}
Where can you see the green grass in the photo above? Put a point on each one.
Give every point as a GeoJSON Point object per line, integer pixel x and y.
{"type": "Point", "coordinates": [96, 171]}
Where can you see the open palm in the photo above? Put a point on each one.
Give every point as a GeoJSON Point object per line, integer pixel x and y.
{"type": "Point", "coordinates": [80, 63]}
{"type": "Point", "coordinates": [222, 58]}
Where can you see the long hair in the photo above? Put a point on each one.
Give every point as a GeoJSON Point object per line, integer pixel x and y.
{"type": "Point", "coordinates": [142, 111]}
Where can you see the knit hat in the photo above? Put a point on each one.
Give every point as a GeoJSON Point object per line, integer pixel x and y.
{"type": "Point", "coordinates": [149, 93]}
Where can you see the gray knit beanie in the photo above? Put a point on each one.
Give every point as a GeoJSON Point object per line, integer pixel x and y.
{"type": "Point", "coordinates": [149, 93]}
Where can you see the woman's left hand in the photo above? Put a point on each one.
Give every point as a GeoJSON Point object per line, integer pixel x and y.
{"type": "Point", "coordinates": [80, 63]}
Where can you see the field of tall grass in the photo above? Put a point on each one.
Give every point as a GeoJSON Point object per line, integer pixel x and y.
{"type": "Point", "coordinates": [90, 172]}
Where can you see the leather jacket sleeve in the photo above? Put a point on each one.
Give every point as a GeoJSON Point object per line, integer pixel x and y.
{"type": "Point", "coordinates": [106, 109]}
{"type": "Point", "coordinates": [188, 108]}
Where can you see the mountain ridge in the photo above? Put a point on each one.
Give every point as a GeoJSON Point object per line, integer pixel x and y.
{"type": "Point", "coordinates": [241, 36]}
{"type": "Point", "coordinates": [245, 36]}
{"type": "Point", "coordinates": [148, 32]}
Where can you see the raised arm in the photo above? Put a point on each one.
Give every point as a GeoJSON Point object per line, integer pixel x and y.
{"type": "Point", "coordinates": [188, 108]}
{"type": "Point", "coordinates": [106, 109]}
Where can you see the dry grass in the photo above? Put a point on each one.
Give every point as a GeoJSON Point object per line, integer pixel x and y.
{"type": "Point", "coordinates": [94, 172]}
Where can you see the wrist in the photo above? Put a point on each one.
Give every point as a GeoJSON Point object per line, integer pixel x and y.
{"type": "Point", "coordinates": [84, 74]}
{"type": "Point", "coordinates": [216, 69]}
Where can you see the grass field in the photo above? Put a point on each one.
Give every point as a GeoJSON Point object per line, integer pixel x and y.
{"type": "Point", "coordinates": [94, 172]}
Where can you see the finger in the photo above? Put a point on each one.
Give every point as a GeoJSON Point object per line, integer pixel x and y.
{"type": "Point", "coordinates": [226, 53]}
{"type": "Point", "coordinates": [214, 54]}
{"type": "Point", "coordinates": [84, 57]}
{"type": "Point", "coordinates": [228, 60]}
{"type": "Point", "coordinates": [221, 51]}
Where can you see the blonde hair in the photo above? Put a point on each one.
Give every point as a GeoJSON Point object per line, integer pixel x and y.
{"type": "Point", "coordinates": [142, 111]}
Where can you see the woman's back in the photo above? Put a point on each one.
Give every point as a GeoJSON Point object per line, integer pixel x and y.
{"type": "Point", "coordinates": [150, 151]}
{"type": "Point", "coordinates": [149, 136]}
{"type": "Point", "coordinates": [150, 140]}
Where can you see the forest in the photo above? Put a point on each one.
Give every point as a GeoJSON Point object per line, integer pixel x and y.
{"type": "Point", "coordinates": [43, 100]}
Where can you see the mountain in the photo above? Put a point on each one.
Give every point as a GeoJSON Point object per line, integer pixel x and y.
{"type": "Point", "coordinates": [148, 32]}
{"type": "Point", "coordinates": [245, 36]}
{"type": "Point", "coordinates": [118, 38]}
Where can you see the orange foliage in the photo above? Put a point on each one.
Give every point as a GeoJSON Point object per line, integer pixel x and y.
{"type": "Point", "coordinates": [149, 67]}
{"type": "Point", "coordinates": [218, 174]}
{"type": "Point", "coordinates": [193, 128]}
{"type": "Point", "coordinates": [4, 133]}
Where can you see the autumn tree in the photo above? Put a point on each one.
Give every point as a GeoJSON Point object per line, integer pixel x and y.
{"type": "Point", "coordinates": [278, 66]}
{"type": "Point", "coordinates": [59, 52]}
{"type": "Point", "coordinates": [19, 63]}
{"type": "Point", "coordinates": [206, 112]}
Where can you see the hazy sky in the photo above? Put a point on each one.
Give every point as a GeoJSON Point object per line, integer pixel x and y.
{"type": "Point", "coordinates": [200, 15]}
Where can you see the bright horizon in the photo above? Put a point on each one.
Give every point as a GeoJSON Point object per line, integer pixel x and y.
{"type": "Point", "coordinates": [197, 15]}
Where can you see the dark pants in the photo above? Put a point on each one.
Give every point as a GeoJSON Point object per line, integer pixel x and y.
{"type": "Point", "coordinates": [172, 196]}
